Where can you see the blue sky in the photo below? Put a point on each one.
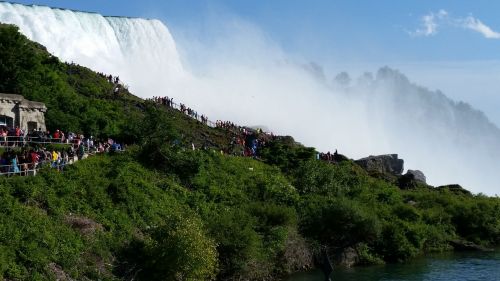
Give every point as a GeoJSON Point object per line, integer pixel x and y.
{"type": "Point", "coordinates": [359, 30]}
{"type": "Point", "coordinates": [447, 45]}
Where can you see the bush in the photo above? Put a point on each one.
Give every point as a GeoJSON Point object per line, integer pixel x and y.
{"type": "Point", "coordinates": [238, 244]}
{"type": "Point", "coordinates": [180, 250]}
{"type": "Point", "coordinates": [400, 241]}
{"type": "Point", "coordinates": [338, 223]}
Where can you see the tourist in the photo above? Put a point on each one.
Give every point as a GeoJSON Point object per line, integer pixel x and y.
{"type": "Point", "coordinates": [55, 157]}
{"type": "Point", "coordinates": [14, 169]}
{"type": "Point", "coordinates": [57, 135]}
{"type": "Point", "coordinates": [34, 159]}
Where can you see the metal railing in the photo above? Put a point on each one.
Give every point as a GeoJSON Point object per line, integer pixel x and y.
{"type": "Point", "coordinates": [31, 168]}
{"type": "Point", "coordinates": [194, 116]}
{"type": "Point", "coordinates": [15, 141]}
{"type": "Point", "coordinates": [171, 104]}
{"type": "Point", "coordinates": [34, 167]}
{"type": "Point", "coordinates": [197, 117]}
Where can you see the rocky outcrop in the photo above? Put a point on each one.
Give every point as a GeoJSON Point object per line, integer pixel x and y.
{"type": "Point", "coordinates": [347, 258]}
{"type": "Point", "coordinates": [337, 157]}
{"type": "Point", "coordinates": [412, 179]}
{"type": "Point", "coordinates": [417, 175]}
{"type": "Point", "coordinates": [462, 245]}
{"type": "Point", "coordinates": [382, 164]}
{"type": "Point", "coordinates": [297, 255]}
{"type": "Point", "coordinates": [455, 188]}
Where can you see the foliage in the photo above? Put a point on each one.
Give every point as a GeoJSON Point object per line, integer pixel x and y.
{"type": "Point", "coordinates": [340, 223]}
{"type": "Point", "coordinates": [78, 100]}
{"type": "Point", "coordinates": [161, 211]}
{"type": "Point", "coordinates": [180, 250]}
{"type": "Point", "coordinates": [287, 154]}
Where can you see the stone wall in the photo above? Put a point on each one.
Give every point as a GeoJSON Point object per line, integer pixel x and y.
{"type": "Point", "coordinates": [26, 114]}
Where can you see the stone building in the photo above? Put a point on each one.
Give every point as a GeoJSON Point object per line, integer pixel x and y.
{"type": "Point", "coordinates": [15, 110]}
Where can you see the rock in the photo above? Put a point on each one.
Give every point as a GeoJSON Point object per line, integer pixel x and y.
{"type": "Point", "coordinates": [455, 188]}
{"type": "Point", "coordinates": [347, 258]}
{"type": "Point", "coordinates": [412, 203]}
{"type": "Point", "coordinates": [462, 245]}
{"type": "Point", "coordinates": [339, 158]}
{"type": "Point", "coordinates": [83, 225]}
{"type": "Point", "coordinates": [412, 179]}
{"type": "Point", "coordinates": [417, 175]}
{"type": "Point", "coordinates": [297, 254]}
{"type": "Point", "coordinates": [382, 164]}
{"type": "Point", "coordinates": [58, 272]}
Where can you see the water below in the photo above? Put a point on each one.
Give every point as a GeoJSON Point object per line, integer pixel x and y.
{"type": "Point", "coordinates": [443, 267]}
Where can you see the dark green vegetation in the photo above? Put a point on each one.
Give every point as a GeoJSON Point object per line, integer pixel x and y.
{"type": "Point", "coordinates": [164, 212]}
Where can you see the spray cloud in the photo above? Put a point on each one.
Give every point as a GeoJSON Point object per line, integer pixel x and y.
{"type": "Point", "coordinates": [241, 75]}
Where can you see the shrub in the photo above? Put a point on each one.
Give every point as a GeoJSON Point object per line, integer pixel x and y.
{"type": "Point", "coordinates": [180, 250]}
{"type": "Point", "coordinates": [338, 223]}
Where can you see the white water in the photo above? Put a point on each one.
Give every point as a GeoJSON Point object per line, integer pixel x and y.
{"type": "Point", "coordinates": [247, 79]}
{"type": "Point", "coordinates": [130, 48]}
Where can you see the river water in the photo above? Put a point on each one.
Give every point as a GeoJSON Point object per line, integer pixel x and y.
{"type": "Point", "coordinates": [442, 267]}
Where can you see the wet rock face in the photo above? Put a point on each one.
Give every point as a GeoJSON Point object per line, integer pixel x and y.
{"type": "Point", "coordinates": [382, 164]}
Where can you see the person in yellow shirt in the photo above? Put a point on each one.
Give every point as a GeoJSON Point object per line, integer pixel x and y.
{"type": "Point", "coordinates": [55, 157]}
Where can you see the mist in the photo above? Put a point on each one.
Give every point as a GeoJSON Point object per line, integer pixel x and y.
{"type": "Point", "coordinates": [237, 72]}
{"type": "Point", "coordinates": [242, 75]}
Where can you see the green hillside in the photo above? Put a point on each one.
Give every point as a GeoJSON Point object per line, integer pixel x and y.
{"type": "Point", "coordinates": [162, 211]}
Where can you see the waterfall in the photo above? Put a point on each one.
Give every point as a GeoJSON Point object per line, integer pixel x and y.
{"type": "Point", "coordinates": [142, 52]}
{"type": "Point", "coordinates": [252, 82]}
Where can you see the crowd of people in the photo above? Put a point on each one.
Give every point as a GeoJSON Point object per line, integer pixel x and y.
{"type": "Point", "coordinates": [13, 137]}
{"type": "Point", "coordinates": [115, 80]}
{"type": "Point", "coordinates": [246, 141]}
{"type": "Point", "coordinates": [30, 160]}
{"type": "Point", "coordinates": [225, 124]}
{"type": "Point", "coordinates": [34, 153]}
{"type": "Point", "coordinates": [166, 101]}
{"type": "Point", "coordinates": [330, 157]}
{"type": "Point", "coordinates": [111, 79]}
{"type": "Point", "coordinates": [169, 102]}
{"type": "Point", "coordinates": [188, 111]}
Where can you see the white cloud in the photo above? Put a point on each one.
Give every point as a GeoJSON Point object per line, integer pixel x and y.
{"type": "Point", "coordinates": [430, 23]}
{"type": "Point", "coordinates": [476, 25]}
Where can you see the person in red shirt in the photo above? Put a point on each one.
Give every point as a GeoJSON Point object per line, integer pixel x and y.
{"type": "Point", "coordinates": [57, 135]}
{"type": "Point", "coordinates": [18, 135]}
{"type": "Point", "coordinates": [34, 159]}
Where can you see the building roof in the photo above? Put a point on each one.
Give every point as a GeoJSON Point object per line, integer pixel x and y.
{"type": "Point", "coordinates": [22, 101]}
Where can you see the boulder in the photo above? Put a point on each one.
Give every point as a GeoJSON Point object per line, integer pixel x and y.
{"type": "Point", "coordinates": [382, 164]}
{"type": "Point", "coordinates": [416, 175]}
{"type": "Point", "coordinates": [462, 245]}
{"type": "Point", "coordinates": [349, 257]}
{"type": "Point", "coordinates": [412, 179]}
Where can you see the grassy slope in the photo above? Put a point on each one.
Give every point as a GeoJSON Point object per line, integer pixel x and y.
{"type": "Point", "coordinates": [160, 211]}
